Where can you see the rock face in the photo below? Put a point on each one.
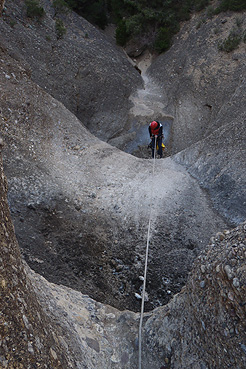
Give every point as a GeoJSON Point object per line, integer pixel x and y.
{"type": "Point", "coordinates": [205, 92]}
{"type": "Point", "coordinates": [203, 87]}
{"type": "Point", "coordinates": [28, 337]}
{"type": "Point", "coordinates": [214, 161]}
{"type": "Point", "coordinates": [81, 209]}
{"type": "Point", "coordinates": [52, 326]}
{"type": "Point", "coordinates": [83, 70]}
{"type": "Point", "coordinates": [204, 326]}
{"type": "Point", "coordinates": [97, 335]}
{"type": "Point", "coordinates": [80, 217]}
{"type": "Point", "coordinates": [1, 6]}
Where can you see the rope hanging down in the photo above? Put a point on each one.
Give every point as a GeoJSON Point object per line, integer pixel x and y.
{"type": "Point", "coordinates": [145, 270]}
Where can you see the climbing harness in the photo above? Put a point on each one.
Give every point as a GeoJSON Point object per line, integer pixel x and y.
{"type": "Point", "coordinates": [145, 271]}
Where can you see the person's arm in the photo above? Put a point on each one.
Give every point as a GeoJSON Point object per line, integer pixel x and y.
{"type": "Point", "coordinates": [150, 134]}
{"type": "Point", "coordinates": [160, 133]}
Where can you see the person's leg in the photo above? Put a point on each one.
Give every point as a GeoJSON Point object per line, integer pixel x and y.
{"type": "Point", "coordinates": [160, 146]}
{"type": "Point", "coordinates": [153, 146]}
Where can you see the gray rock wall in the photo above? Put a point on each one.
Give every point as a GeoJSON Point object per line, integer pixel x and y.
{"type": "Point", "coordinates": [27, 336]}
{"type": "Point", "coordinates": [83, 70]}
{"type": "Point", "coordinates": [218, 162]}
{"type": "Point", "coordinates": [204, 326]}
{"type": "Point", "coordinates": [205, 92]}
{"type": "Point", "coordinates": [201, 83]}
{"type": "Point", "coordinates": [81, 207]}
{"type": "Point", "coordinates": [58, 197]}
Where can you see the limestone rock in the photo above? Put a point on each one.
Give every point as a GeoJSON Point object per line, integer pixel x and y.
{"type": "Point", "coordinates": [204, 326]}
{"type": "Point", "coordinates": [204, 90]}
{"type": "Point", "coordinates": [83, 70]}
{"type": "Point", "coordinates": [78, 214]}
{"type": "Point", "coordinates": [26, 334]}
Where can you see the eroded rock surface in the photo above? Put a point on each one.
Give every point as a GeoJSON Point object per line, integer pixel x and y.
{"type": "Point", "coordinates": [204, 90]}
{"type": "Point", "coordinates": [81, 207]}
{"type": "Point", "coordinates": [83, 70]}
{"type": "Point", "coordinates": [204, 326]}
{"type": "Point", "coordinates": [201, 327]}
{"type": "Point", "coordinates": [81, 210]}
{"type": "Point", "coordinates": [28, 338]}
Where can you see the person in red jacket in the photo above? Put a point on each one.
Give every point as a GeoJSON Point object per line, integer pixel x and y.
{"type": "Point", "coordinates": [156, 135]}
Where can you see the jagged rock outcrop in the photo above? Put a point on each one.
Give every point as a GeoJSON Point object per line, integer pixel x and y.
{"type": "Point", "coordinates": [83, 70]}
{"type": "Point", "coordinates": [204, 326]}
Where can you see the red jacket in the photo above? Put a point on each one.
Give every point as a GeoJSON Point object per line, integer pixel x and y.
{"type": "Point", "coordinates": [156, 131]}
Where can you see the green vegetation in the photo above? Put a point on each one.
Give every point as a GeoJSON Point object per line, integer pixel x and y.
{"type": "Point", "coordinates": [60, 28]}
{"type": "Point", "coordinates": [154, 21]}
{"type": "Point", "coordinates": [163, 40]}
{"type": "Point", "coordinates": [244, 37]}
{"type": "Point", "coordinates": [200, 5]}
{"type": "Point", "coordinates": [231, 42]}
{"type": "Point", "coordinates": [33, 10]}
{"type": "Point", "coordinates": [60, 6]}
{"type": "Point", "coordinates": [121, 33]}
{"type": "Point", "coordinates": [234, 5]}
{"type": "Point", "coordinates": [95, 11]}
{"type": "Point", "coordinates": [210, 11]}
{"type": "Point", "coordinates": [12, 22]}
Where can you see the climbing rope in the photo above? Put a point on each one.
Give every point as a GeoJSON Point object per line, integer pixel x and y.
{"type": "Point", "coordinates": [145, 270]}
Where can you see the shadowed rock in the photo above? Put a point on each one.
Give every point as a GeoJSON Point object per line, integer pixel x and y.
{"type": "Point", "coordinates": [204, 90]}
{"type": "Point", "coordinates": [27, 335]}
{"type": "Point", "coordinates": [83, 70]}
{"type": "Point", "coordinates": [81, 207]}
{"type": "Point", "coordinates": [202, 87]}
{"type": "Point", "coordinates": [204, 325]}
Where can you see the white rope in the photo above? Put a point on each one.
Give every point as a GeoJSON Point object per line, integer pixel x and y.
{"type": "Point", "coordinates": [145, 271]}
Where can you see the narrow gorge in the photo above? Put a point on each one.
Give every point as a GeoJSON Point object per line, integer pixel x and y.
{"type": "Point", "coordinates": [74, 136]}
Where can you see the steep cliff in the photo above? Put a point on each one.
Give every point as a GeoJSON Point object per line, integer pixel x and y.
{"type": "Point", "coordinates": [82, 69]}
{"type": "Point", "coordinates": [28, 337]}
{"type": "Point", "coordinates": [203, 85]}
{"type": "Point", "coordinates": [81, 207]}
{"type": "Point", "coordinates": [205, 92]}
{"type": "Point", "coordinates": [51, 326]}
